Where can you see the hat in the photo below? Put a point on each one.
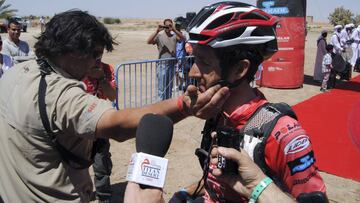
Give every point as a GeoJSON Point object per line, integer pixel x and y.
{"type": "Point", "coordinates": [338, 27]}
{"type": "Point", "coordinates": [324, 31]}
{"type": "Point", "coordinates": [350, 25]}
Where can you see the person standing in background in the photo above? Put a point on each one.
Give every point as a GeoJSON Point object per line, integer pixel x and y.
{"type": "Point", "coordinates": [321, 51]}
{"type": "Point", "coordinates": [5, 61]}
{"type": "Point", "coordinates": [166, 44]}
{"type": "Point", "coordinates": [42, 23]}
{"type": "Point", "coordinates": [17, 49]}
{"type": "Point", "coordinates": [100, 82]}
{"type": "Point", "coordinates": [335, 40]}
{"type": "Point", "coordinates": [182, 66]}
{"type": "Point", "coordinates": [326, 67]}
{"type": "Point", "coordinates": [355, 47]}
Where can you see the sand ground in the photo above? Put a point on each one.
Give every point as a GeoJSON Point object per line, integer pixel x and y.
{"type": "Point", "coordinates": [183, 166]}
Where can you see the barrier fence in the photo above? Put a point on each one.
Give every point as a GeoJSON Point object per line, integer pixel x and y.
{"type": "Point", "coordinates": [144, 82]}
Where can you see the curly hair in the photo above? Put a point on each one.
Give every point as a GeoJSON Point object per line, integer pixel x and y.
{"type": "Point", "coordinates": [72, 31]}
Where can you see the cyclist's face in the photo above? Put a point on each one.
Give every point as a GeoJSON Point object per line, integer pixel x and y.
{"type": "Point", "coordinates": [206, 69]}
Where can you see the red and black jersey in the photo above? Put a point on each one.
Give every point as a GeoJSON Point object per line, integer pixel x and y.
{"type": "Point", "coordinates": [288, 153]}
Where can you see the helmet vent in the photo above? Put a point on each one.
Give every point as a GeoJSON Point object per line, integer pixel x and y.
{"type": "Point", "coordinates": [232, 34]}
{"type": "Point", "coordinates": [198, 37]}
{"type": "Point", "coordinates": [263, 31]}
{"type": "Point", "coordinates": [220, 21]}
{"type": "Point", "coordinates": [254, 15]}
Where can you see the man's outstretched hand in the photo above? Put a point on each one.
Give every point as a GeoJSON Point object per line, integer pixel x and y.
{"type": "Point", "coordinates": [206, 104]}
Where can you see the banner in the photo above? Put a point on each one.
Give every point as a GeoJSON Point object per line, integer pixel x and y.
{"type": "Point", "coordinates": [291, 32]}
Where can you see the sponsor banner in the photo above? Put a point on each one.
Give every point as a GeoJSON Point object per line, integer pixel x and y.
{"type": "Point", "coordinates": [289, 60]}
{"type": "Point", "coordinates": [287, 8]}
{"type": "Point", "coordinates": [291, 31]}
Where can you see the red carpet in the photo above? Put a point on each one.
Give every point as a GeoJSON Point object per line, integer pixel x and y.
{"type": "Point", "coordinates": [332, 120]}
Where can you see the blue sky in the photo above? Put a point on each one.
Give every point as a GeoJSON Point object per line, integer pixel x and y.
{"type": "Point", "coordinates": [320, 9]}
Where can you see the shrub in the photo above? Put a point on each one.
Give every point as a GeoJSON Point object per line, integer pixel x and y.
{"type": "Point", "coordinates": [112, 20]}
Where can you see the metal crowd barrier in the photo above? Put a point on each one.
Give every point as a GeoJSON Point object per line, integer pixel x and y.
{"type": "Point", "coordinates": [137, 82]}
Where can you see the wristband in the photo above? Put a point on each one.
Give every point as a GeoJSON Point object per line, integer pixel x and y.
{"type": "Point", "coordinates": [259, 189]}
{"type": "Point", "coordinates": [180, 105]}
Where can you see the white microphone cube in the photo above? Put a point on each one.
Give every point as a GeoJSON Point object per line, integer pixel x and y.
{"type": "Point", "coordinates": [147, 169]}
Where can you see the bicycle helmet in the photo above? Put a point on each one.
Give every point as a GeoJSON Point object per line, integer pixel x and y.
{"type": "Point", "coordinates": [226, 24]}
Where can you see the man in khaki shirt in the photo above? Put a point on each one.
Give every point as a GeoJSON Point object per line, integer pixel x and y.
{"type": "Point", "coordinates": [32, 167]}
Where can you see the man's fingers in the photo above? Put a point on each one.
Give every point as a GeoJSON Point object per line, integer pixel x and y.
{"type": "Point", "coordinates": [191, 91]}
{"type": "Point", "coordinates": [212, 100]}
{"type": "Point", "coordinates": [232, 154]}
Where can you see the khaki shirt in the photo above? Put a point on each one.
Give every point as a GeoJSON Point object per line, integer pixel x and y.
{"type": "Point", "coordinates": [166, 45]}
{"type": "Point", "coordinates": [31, 169]}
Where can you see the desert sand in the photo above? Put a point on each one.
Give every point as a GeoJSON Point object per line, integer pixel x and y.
{"type": "Point", "coordinates": [184, 168]}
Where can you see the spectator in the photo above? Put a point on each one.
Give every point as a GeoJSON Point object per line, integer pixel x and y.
{"type": "Point", "coordinates": [42, 23]}
{"type": "Point", "coordinates": [231, 58]}
{"type": "Point", "coordinates": [249, 176]}
{"type": "Point", "coordinates": [345, 41]}
{"type": "Point", "coordinates": [182, 66]}
{"type": "Point", "coordinates": [335, 40]}
{"type": "Point", "coordinates": [17, 49]}
{"type": "Point", "coordinates": [355, 47]}
{"type": "Point", "coordinates": [326, 67]}
{"type": "Point", "coordinates": [5, 61]}
{"type": "Point", "coordinates": [46, 138]}
{"type": "Point", "coordinates": [321, 51]}
{"type": "Point", "coordinates": [166, 43]}
{"type": "Point", "coordinates": [100, 82]}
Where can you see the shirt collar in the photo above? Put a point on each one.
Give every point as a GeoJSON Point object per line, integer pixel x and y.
{"type": "Point", "coordinates": [242, 114]}
{"type": "Point", "coordinates": [59, 70]}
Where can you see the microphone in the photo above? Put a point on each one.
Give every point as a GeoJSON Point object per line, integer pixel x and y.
{"type": "Point", "coordinates": [154, 134]}
{"type": "Point", "coordinates": [153, 137]}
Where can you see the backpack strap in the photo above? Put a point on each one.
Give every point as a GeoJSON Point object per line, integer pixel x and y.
{"type": "Point", "coordinates": [260, 125]}
{"type": "Point", "coordinates": [71, 159]}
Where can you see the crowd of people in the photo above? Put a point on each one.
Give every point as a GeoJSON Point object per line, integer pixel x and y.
{"type": "Point", "coordinates": [63, 123]}
{"type": "Point", "coordinates": [345, 55]}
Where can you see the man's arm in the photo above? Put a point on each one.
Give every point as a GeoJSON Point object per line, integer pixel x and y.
{"type": "Point", "coordinates": [294, 166]}
{"type": "Point", "coordinates": [121, 125]}
{"type": "Point", "coordinates": [134, 194]}
{"type": "Point", "coordinates": [152, 37]}
{"type": "Point", "coordinates": [179, 35]}
{"type": "Point", "coordinates": [18, 59]}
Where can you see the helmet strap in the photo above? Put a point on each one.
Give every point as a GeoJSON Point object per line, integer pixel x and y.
{"type": "Point", "coordinates": [225, 83]}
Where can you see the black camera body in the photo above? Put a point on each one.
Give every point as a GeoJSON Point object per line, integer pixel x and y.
{"type": "Point", "coordinates": [228, 137]}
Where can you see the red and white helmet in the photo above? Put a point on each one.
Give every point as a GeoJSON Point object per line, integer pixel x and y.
{"type": "Point", "coordinates": [228, 23]}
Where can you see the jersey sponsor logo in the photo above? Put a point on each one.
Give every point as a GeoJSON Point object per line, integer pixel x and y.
{"type": "Point", "coordinates": [304, 180]}
{"type": "Point", "coordinates": [286, 130]}
{"type": "Point", "coordinates": [297, 144]}
{"type": "Point", "coordinates": [301, 163]}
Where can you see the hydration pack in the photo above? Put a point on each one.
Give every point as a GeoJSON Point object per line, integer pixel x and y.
{"type": "Point", "coordinates": [255, 134]}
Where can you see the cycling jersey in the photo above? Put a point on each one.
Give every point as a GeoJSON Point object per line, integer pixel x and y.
{"type": "Point", "coordinates": [288, 154]}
